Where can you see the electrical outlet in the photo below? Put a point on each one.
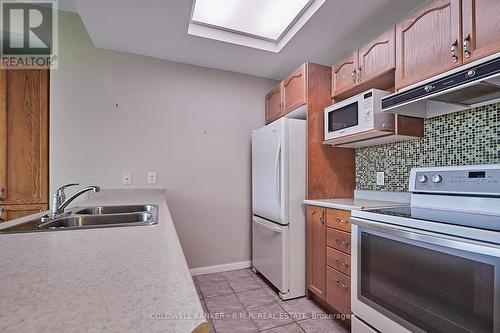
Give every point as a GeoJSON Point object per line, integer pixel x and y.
{"type": "Point", "coordinates": [151, 177]}
{"type": "Point", "coordinates": [127, 178]}
{"type": "Point", "coordinates": [380, 178]}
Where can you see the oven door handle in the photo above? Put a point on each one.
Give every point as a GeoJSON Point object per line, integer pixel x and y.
{"type": "Point", "coordinates": [433, 238]}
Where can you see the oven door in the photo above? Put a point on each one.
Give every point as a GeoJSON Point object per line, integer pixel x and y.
{"type": "Point", "coordinates": [416, 281]}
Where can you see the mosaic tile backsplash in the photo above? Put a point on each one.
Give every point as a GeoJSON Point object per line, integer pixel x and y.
{"type": "Point", "coordinates": [462, 138]}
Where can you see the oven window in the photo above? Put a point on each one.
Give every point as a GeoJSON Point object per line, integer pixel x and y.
{"type": "Point", "coordinates": [344, 117]}
{"type": "Point", "coordinates": [434, 291]}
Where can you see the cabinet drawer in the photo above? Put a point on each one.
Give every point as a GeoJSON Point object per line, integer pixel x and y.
{"type": "Point", "coordinates": [338, 219]}
{"type": "Point", "coordinates": [338, 291]}
{"type": "Point", "coordinates": [339, 240]}
{"type": "Point", "coordinates": [338, 260]}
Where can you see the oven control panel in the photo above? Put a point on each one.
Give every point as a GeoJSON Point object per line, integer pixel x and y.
{"type": "Point", "coordinates": [479, 179]}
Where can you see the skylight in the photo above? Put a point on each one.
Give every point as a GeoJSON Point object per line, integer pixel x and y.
{"type": "Point", "coordinates": [264, 24]}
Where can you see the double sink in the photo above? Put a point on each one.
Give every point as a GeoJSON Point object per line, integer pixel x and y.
{"type": "Point", "coordinates": [92, 217]}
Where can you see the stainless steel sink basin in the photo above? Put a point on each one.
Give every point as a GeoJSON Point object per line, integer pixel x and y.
{"type": "Point", "coordinates": [104, 210]}
{"type": "Point", "coordinates": [99, 221]}
{"type": "Point", "coordinates": [93, 217]}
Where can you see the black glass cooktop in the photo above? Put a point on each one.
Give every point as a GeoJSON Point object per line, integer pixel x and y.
{"type": "Point", "coordinates": [475, 220]}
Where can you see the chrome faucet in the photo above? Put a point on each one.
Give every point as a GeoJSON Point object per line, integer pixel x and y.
{"type": "Point", "coordinates": [59, 201]}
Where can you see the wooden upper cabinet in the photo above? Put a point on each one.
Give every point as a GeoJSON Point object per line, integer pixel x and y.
{"type": "Point", "coordinates": [428, 42]}
{"type": "Point", "coordinates": [316, 251]}
{"type": "Point", "coordinates": [294, 89]}
{"type": "Point", "coordinates": [377, 57]}
{"type": "Point", "coordinates": [24, 136]}
{"type": "Point", "coordinates": [344, 74]}
{"type": "Point", "coordinates": [273, 104]}
{"type": "Point", "coordinates": [481, 28]}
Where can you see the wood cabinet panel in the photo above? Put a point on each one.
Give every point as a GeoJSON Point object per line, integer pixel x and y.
{"type": "Point", "coordinates": [481, 28]}
{"type": "Point", "coordinates": [424, 41]}
{"type": "Point", "coordinates": [338, 260]}
{"type": "Point", "coordinates": [273, 104]}
{"type": "Point", "coordinates": [378, 57]}
{"type": "Point", "coordinates": [330, 171]}
{"type": "Point", "coordinates": [338, 291]}
{"type": "Point", "coordinates": [316, 250]}
{"type": "Point", "coordinates": [338, 240]}
{"type": "Point", "coordinates": [338, 219]}
{"type": "Point", "coordinates": [294, 89]}
{"type": "Point", "coordinates": [24, 136]}
{"type": "Point", "coordinates": [344, 74]}
{"type": "Point", "coordinates": [8, 213]}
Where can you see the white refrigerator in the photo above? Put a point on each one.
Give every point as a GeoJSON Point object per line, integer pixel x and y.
{"type": "Point", "coordinates": [278, 191]}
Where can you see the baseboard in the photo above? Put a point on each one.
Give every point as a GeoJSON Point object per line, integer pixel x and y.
{"type": "Point", "coordinates": [220, 268]}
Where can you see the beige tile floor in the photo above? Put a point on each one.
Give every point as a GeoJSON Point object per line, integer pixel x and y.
{"type": "Point", "coordinates": [241, 301]}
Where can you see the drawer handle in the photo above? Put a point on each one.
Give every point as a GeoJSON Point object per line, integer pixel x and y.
{"type": "Point", "coordinates": [341, 285]}
{"type": "Point", "coordinates": [454, 47]}
{"type": "Point", "coordinates": [340, 263]}
{"type": "Point", "coordinates": [342, 242]}
{"type": "Point", "coordinates": [2, 191]}
{"type": "Point", "coordinates": [322, 217]}
{"type": "Point", "coordinates": [339, 220]}
{"type": "Point", "coordinates": [467, 41]}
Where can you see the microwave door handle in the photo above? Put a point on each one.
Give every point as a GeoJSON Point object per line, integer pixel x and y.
{"type": "Point", "coordinates": [277, 174]}
{"type": "Point", "coordinates": [432, 238]}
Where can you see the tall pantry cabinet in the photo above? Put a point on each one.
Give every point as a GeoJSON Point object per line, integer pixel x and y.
{"type": "Point", "coordinates": [24, 118]}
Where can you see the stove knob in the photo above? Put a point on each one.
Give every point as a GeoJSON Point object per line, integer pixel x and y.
{"type": "Point", "coordinates": [436, 178]}
{"type": "Point", "coordinates": [422, 179]}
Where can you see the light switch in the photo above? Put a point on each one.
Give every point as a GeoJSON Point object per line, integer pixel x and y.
{"type": "Point", "coordinates": [380, 178]}
{"type": "Point", "coordinates": [151, 177]}
{"type": "Point", "coordinates": [127, 178]}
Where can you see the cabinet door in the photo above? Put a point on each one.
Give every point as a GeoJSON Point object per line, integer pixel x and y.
{"type": "Point", "coordinates": [8, 213]}
{"type": "Point", "coordinates": [378, 57]}
{"type": "Point", "coordinates": [294, 89]}
{"type": "Point", "coordinates": [428, 42]}
{"type": "Point", "coordinates": [316, 250]}
{"type": "Point", "coordinates": [24, 136]}
{"type": "Point", "coordinates": [344, 74]}
{"type": "Point", "coordinates": [273, 104]}
{"type": "Point", "coordinates": [481, 28]}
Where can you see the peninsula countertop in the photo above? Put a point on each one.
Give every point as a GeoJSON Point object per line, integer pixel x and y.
{"type": "Point", "coordinates": [129, 279]}
{"type": "Point", "coordinates": [353, 203]}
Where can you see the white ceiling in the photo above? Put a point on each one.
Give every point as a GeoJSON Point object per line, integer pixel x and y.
{"type": "Point", "coordinates": [158, 28]}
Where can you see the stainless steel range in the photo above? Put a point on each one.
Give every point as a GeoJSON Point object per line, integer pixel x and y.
{"type": "Point", "coordinates": [433, 266]}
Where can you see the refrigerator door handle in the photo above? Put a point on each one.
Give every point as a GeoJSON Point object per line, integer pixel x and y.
{"type": "Point", "coordinates": [267, 226]}
{"type": "Point", "coordinates": [277, 174]}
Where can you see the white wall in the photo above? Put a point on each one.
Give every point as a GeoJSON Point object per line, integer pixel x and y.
{"type": "Point", "coordinates": [189, 124]}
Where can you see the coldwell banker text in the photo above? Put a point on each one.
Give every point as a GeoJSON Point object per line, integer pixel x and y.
{"type": "Point", "coordinates": [29, 34]}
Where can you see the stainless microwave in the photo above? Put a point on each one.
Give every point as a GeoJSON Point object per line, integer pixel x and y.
{"type": "Point", "coordinates": [359, 114]}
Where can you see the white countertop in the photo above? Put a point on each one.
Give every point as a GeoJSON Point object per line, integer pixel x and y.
{"type": "Point", "coordinates": [96, 280]}
{"type": "Point", "coordinates": [353, 203]}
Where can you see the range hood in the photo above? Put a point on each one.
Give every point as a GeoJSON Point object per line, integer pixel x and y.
{"type": "Point", "coordinates": [471, 85]}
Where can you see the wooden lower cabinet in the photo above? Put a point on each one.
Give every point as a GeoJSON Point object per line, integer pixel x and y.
{"type": "Point", "coordinates": [328, 256]}
{"type": "Point", "coordinates": [8, 213]}
{"type": "Point", "coordinates": [316, 251]}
